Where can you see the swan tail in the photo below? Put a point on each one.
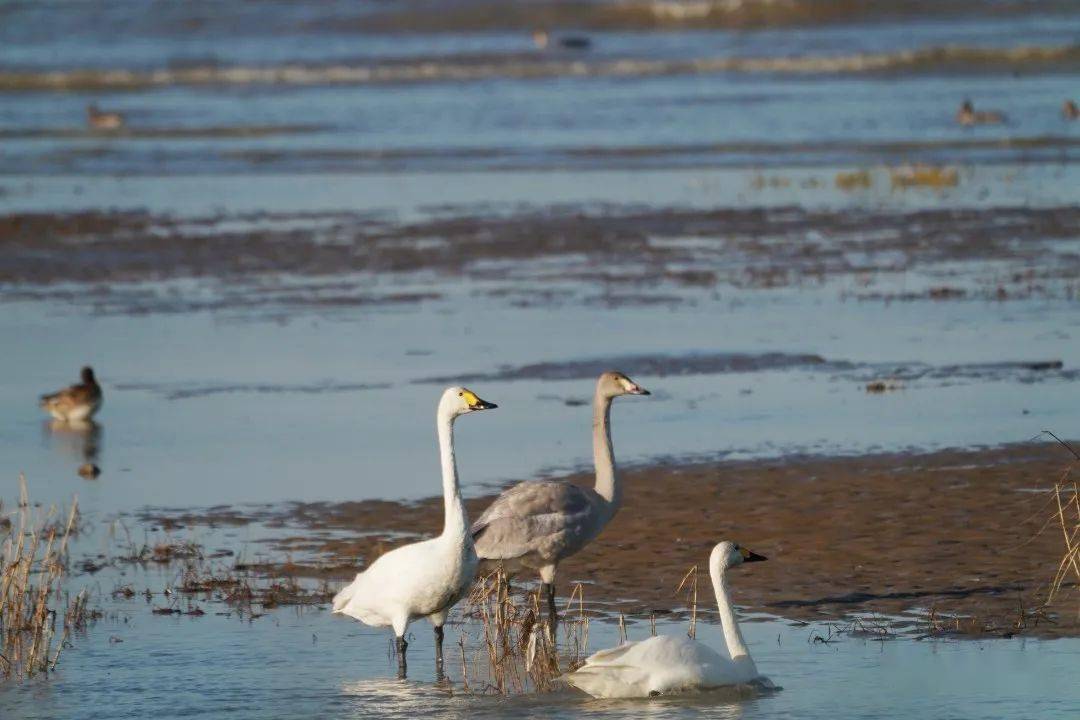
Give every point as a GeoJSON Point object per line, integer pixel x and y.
{"type": "Point", "coordinates": [609, 681]}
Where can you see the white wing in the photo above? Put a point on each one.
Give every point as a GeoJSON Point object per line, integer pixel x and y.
{"type": "Point", "coordinates": [659, 665]}
{"type": "Point", "coordinates": [411, 581]}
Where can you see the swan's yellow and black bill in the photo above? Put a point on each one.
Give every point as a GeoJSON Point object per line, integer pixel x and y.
{"type": "Point", "coordinates": [476, 403]}
{"type": "Point", "coordinates": [751, 556]}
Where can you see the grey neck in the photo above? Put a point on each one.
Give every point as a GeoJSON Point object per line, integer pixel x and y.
{"type": "Point", "coordinates": [607, 483]}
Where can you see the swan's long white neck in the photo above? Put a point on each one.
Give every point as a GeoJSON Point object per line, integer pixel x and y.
{"type": "Point", "coordinates": [454, 520]}
{"type": "Point", "coordinates": [607, 483]}
{"type": "Point", "coordinates": [732, 635]}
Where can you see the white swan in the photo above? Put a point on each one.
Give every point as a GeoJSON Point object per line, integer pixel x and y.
{"type": "Point", "coordinates": [537, 523]}
{"type": "Point", "coordinates": [423, 579]}
{"type": "Point", "coordinates": [665, 665]}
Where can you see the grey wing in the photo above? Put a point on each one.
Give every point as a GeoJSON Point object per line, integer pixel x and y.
{"type": "Point", "coordinates": [550, 518]}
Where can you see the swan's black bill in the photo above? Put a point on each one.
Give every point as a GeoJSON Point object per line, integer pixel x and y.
{"type": "Point", "coordinates": [638, 390]}
{"type": "Point", "coordinates": [752, 556]}
{"type": "Point", "coordinates": [482, 405]}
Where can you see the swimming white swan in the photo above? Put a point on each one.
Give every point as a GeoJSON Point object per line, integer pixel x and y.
{"type": "Point", "coordinates": [76, 403]}
{"type": "Point", "coordinates": [664, 665]}
{"type": "Point", "coordinates": [423, 579]}
{"type": "Point", "coordinates": [537, 523]}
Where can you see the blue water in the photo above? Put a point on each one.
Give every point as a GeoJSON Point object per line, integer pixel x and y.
{"type": "Point", "coordinates": [287, 107]}
{"type": "Point", "coordinates": [288, 665]}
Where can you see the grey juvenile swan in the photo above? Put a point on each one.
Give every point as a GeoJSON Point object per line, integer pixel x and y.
{"type": "Point", "coordinates": [537, 523]}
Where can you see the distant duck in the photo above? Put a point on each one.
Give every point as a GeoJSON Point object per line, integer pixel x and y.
{"type": "Point", "coordinates": [1070, 111]}
{"type": "Point", "coordinates": [967, 115]}
{"type": "Point", "coordinates": [76, 403]}
{"type": "Point", "coordinates": [571, 42]}
{"type": "Point", "coordinates": [98, 119]}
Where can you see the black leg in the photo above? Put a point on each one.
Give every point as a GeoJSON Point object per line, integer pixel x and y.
{"type": "Point", "coordinates": [401, 646]}
{"type": "Point", "coordinates": [438, 649]}
{"type": "Point", "coordinates": [553, 614]}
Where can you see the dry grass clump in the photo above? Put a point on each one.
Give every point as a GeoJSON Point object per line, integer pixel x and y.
{"type": "Point", "coordinates": [33, 563]}
{"type": "Point", "coordinates": [920, 175]}
{"type": "Point", "coordinates": [515, 652]}
{"type": "Point", "coordinates": [1030, 611]}
{"type": "Point", "coordinates": [1066, 516]}
{"type": "Point", "coordinates": [162, 553]}
{"type": "Point", "coordinates": [1022, 617]}
{"type": "Point", "coordinates": [855, 180]}
{"type": "Point", "coordinates": [247, 594]}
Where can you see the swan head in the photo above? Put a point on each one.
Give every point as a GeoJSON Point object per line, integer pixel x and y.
{"type": "Point", "coordinates": [612, 384]}
{"type": "Point", "coordinates": [729, 554]}
{"type": "Point", "coordinates": [459, 401]}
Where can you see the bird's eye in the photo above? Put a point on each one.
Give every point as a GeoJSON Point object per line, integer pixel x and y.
{"type": "Point", "coordinates": [461, 394]}
{"type": "Point", "coordinates": [736, 546]}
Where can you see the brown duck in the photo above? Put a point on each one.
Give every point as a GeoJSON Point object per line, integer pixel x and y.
{"type": "Point", "coordinates": [76, 403]}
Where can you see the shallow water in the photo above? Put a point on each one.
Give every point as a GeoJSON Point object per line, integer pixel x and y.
{"type": "Point", "coordinates": [303, 89]}
{"type": "Point", "coordinates": [206, 410]}
{"type": "Point", "coordinates": [312, 664]}
{"type": "Point", "coordinates": [301, 383]}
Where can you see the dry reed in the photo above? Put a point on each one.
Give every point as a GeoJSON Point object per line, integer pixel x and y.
{"type": "Point", "coordinates": [33, 564]}
{"type": "Point", "coordinates": [689, 581]}
{"type": "Point", "coordinates": [1066, 515]}
{"type": "Point", "coordinates": [515, 654]}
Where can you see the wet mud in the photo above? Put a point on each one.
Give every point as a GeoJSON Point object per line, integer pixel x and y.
{"type": "Point", "coordinates": [960, 541]}
{"type": "Point", "coordinates": [535, 257]}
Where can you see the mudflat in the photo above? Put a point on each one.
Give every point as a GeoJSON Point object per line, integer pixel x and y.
{"type": "Point", "coordinates": [954, 541]}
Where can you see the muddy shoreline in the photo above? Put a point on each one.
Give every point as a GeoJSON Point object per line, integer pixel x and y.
{"type": "Point", "coordinates": [137, 262]}
{"type": "Point", "coordinates": [923, 539]}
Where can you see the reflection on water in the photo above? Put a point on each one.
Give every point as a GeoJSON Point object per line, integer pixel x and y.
{"type": "Point", "coordinates": [397, 698]}
{"type": "Point", "coordinates": [292, 665]}
{"type": "Point", "coordinates": [77, 439]}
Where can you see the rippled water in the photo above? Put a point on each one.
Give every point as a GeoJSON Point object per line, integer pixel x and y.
{"type": "Point", "coordinates": [314, 665]}
{"type": "Point", "coordinates": [283, 117]}
{"type": "Point", "coordinates": [304, 89]}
